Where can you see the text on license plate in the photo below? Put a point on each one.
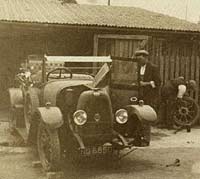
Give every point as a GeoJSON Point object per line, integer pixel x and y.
{"type": "Point", "coordinates": [96, 150]}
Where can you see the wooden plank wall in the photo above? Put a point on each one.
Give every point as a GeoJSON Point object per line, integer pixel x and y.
{"type": "Point", "coordinates": [177, 59]}
{"type": "Point", "coordinates": [174, 58]}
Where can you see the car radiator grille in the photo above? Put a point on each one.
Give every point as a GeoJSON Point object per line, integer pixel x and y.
{"type": "Point", "coordinates": [99, 115]}
{"type": "Point", "coordinates": [94, 128]}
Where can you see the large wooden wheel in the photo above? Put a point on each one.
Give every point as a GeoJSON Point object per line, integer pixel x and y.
{"type": "Point", "coordinates": [48, 145]}
{"type": "Point", "coordinates": [186, 112]}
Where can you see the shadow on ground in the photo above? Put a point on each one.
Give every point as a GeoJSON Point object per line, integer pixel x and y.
{"type": "Point", "coordinates": [91, 168]}
{"type": "Point", "coordinates": [158, 135]}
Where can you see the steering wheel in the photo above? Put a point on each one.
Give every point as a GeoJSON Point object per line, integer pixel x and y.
{"type": "Point", "coordinates": [58, 76]}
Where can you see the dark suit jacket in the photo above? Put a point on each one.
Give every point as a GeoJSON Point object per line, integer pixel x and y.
{"type": "Point", "coordinates": [148, 93]}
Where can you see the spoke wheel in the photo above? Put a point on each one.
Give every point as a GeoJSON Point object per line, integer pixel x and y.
{"type": "Point", "coordinates": [48, 148]}
{"type": "Point", "coordinates": [186, 113]}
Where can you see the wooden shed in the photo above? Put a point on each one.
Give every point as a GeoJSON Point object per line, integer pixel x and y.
{"type": "Point", "coordinates": [50, 27]}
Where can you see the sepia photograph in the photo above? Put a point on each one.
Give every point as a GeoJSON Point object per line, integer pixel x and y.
{"type": "Point", "coordinates": [99, 89]}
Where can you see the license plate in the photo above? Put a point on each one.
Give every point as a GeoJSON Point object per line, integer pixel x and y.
{"type": "Point", "coordinates": [96, 150]}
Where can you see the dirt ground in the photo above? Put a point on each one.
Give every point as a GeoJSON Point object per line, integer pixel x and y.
{"type": "Point", "coordinates": [144, 163]}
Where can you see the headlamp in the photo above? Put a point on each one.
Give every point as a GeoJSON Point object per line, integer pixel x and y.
{"type": "Point", "coordinates": [121, 116]}
{"type": "Point", "coordinates": [80, 117]}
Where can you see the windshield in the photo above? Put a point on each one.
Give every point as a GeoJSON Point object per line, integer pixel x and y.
{"type": "Point", "coordinates": [77, 67]}
{"type": "Point", "coordinates": [124, 71]}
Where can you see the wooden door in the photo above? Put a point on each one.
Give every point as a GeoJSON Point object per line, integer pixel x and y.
{"type": "Point", "coordinates": [120, 46]}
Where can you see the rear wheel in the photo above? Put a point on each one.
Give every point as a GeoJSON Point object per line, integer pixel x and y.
{"type": "Point", "coordinates": [48, 145]}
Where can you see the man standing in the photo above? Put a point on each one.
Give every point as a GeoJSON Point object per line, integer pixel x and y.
{"type": "Point", "coordinates": [149, 79]}
{"type": "Point", "coordinates": [149, 83]}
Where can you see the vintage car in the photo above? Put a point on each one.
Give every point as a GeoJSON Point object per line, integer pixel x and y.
{"type": "Point", "coordinates": [65, 113]}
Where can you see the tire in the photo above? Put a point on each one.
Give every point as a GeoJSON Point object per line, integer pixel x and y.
{"type": "Point", "coordinates": [186, 113]}
{"type": "Point", "coordinates": [15, 98]}
{"type": "Point", "coordinates": [31, 104]}
{"type": "Point", "coordinates": [48, 146]}
{"type": "Point", "coordinates": [12, 121]}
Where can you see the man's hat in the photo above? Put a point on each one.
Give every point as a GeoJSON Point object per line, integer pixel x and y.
{"type": "Point", "coordinates": [141, 52]}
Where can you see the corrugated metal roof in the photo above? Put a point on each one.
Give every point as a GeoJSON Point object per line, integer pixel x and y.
{"type": "Point", "coordinates": [53, 12]}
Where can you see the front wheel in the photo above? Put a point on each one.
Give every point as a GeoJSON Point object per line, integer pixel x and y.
{"type": "Point", "coordinates": [31, 103]}
{"type": "Point", "coordinates": [48, 145]}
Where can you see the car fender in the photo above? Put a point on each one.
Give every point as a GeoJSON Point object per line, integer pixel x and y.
{"type": "Point", "coordinates": [143, 112]}
{"type": "Point", "coordinates": [51, 116]}
{"type": "Point", "coordinates": [16, 96]}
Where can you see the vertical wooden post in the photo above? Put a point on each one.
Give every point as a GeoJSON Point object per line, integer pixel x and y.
{"type": "Point", "coordinates": [177, 70]}
{"type": "Point", "coordinates": [171, 66]}
{"type": "Point", "coordinates": [187, 67]}
{"type": "Point", "coordinates": [95, 51]}
{"type": "Point", "coordinates": [197, 77]}
{"type": "Point", "coordinates": [182, 63]}
{"type": "Point", "coordinates": [166, 68]}
{"type": "Point", "coordinates": [130, 46]}
{"type": "Point", "coordinates": [162, 67]}
{"type": "Point", "coordinates": [192, 72]}
{"type": "Point", "coordinates": [44, 69]}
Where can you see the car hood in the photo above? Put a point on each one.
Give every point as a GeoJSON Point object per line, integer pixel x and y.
{"type": "Point", "coordinates": [52, 88]}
